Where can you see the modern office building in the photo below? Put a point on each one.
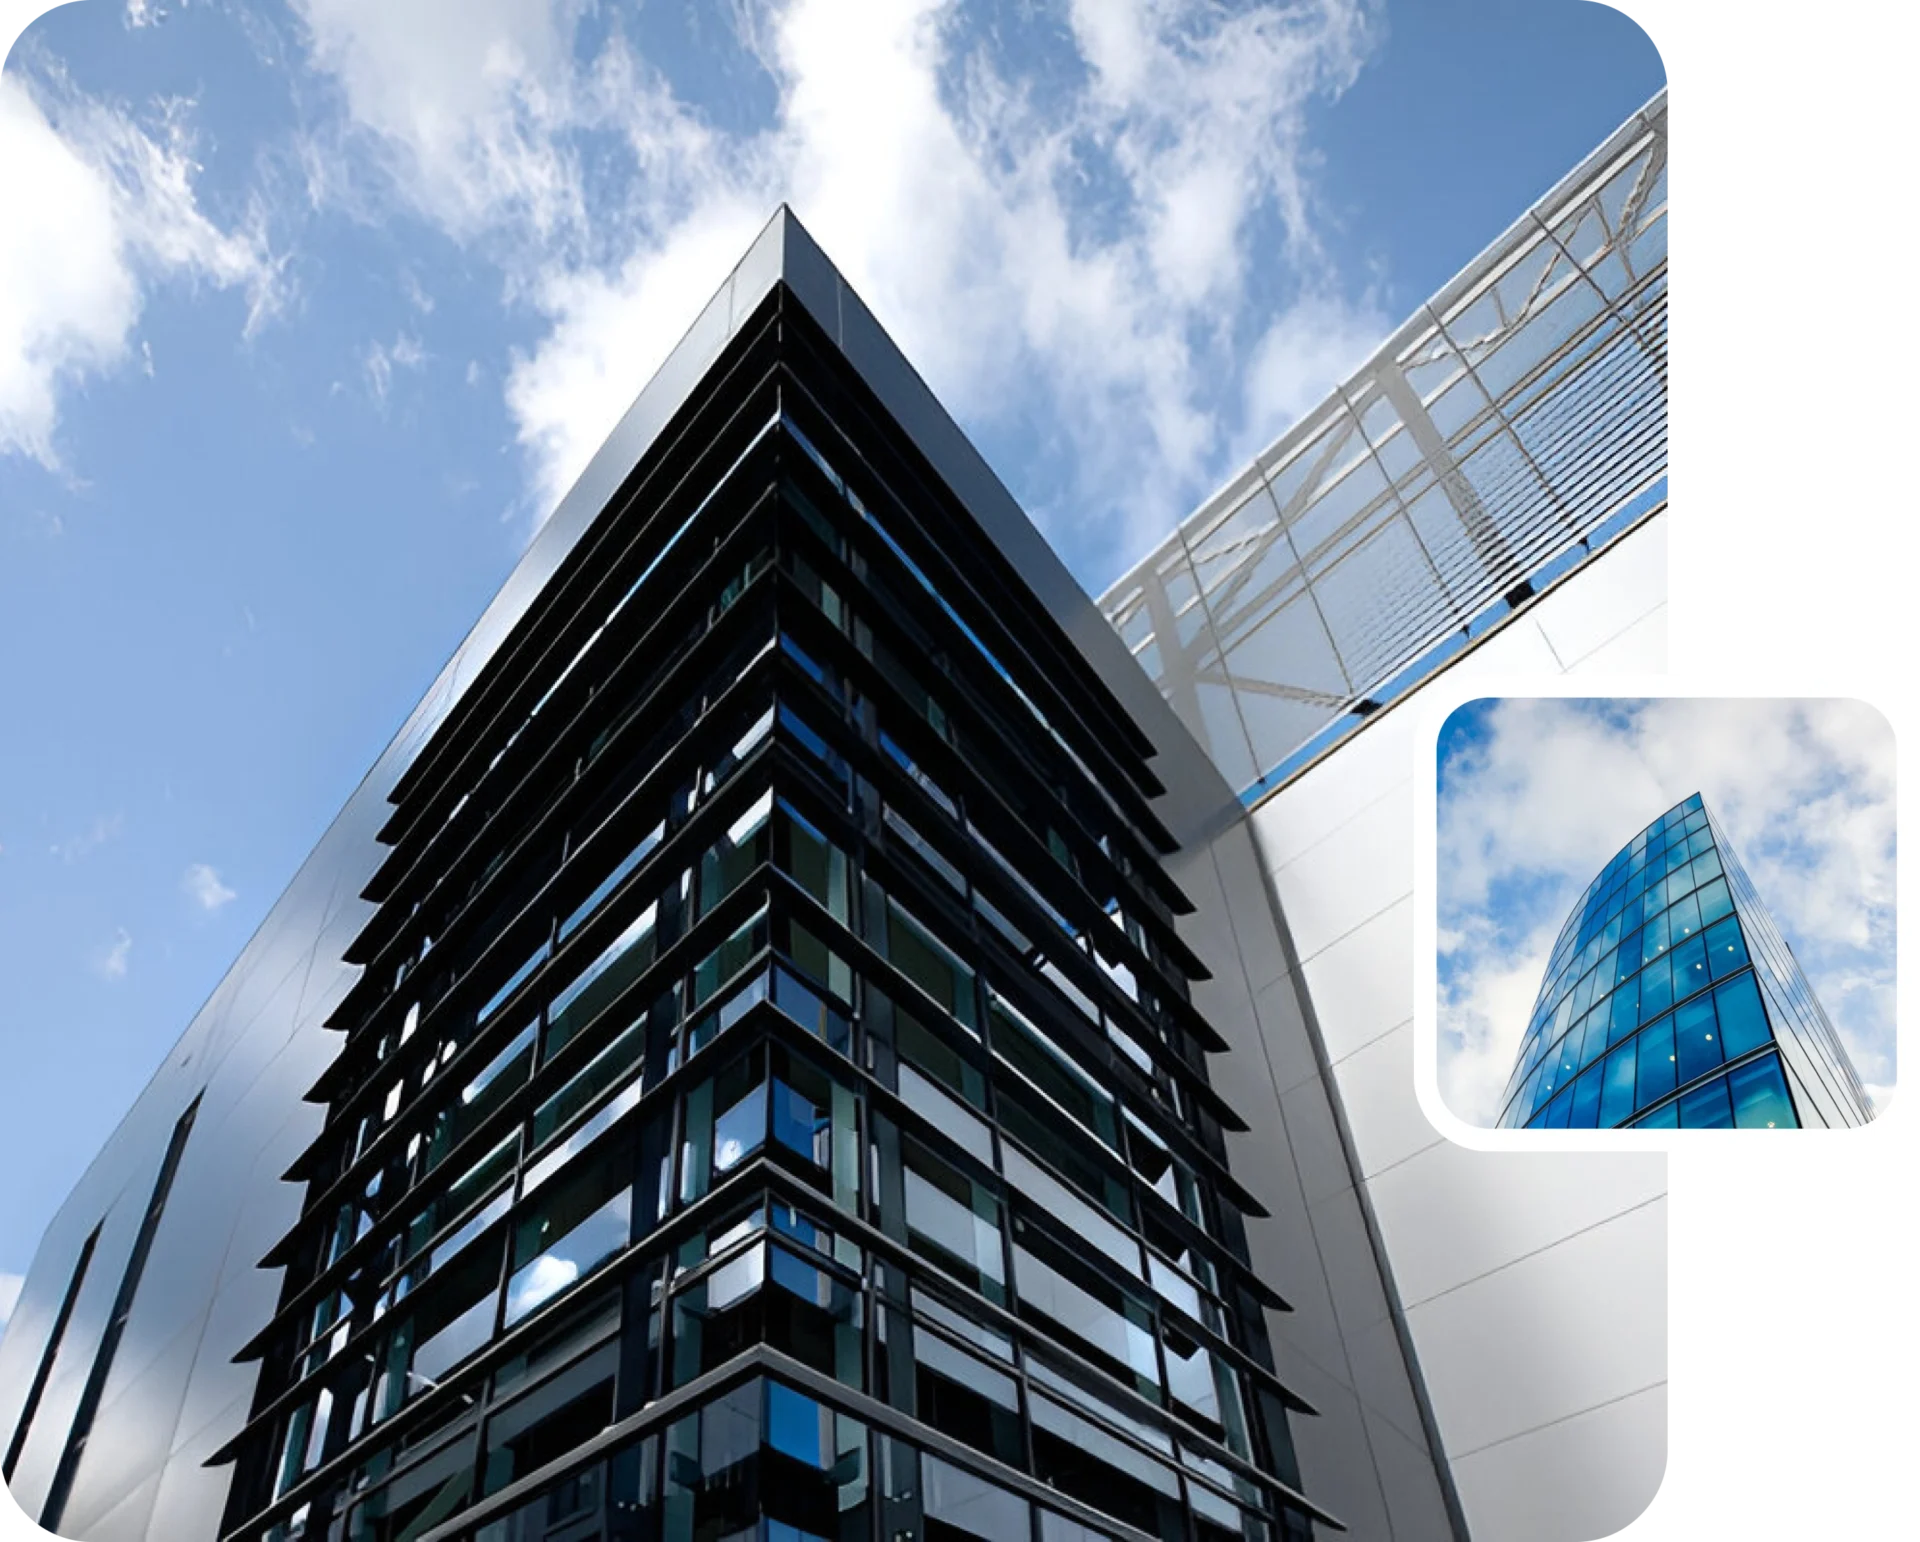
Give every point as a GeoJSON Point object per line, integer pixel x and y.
{"type": "Point", "coordinates": [797, 1037]}
{"type": "Point", "coordinates": [1672, 1001]}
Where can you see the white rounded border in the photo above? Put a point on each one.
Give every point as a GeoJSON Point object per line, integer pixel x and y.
{"type": "Point", "coordinates": [1444, 696]}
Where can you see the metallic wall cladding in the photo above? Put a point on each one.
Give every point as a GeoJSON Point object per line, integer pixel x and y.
{"type": "Point", "coordinates": [258, 1045]}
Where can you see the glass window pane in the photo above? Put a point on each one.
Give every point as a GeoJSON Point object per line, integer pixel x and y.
{"type": "Point", "coordinates": [953, 1220]}
{"type": "Point", "coordinates": [1653, 938]}
{"type": "Point", "coordinates": [1656, 1065]}
{"type": "Point", "coordinates": [1714, 900]}
{"type": "Point", "coordinates": [915, 952]}
{"type": "Point", "coordinates": [1726, 948]}
{"type": "Point", "coordinates": [1585, 1113]}
{"type": "Point", "coordinates": [1616, 1096]}
{"type": "Point", "coordinates": [1707, 1108]}
{"type": "Point", "coordinates": [1656, 989]}
{"type": "Point", "coordinates": [619, 964]}
{"type": "Point", "coordinates": [557, 1249]}
{"type": "Point", "coordinates": [970, 1506]}
{"type": "Point", "coordinates": [1683, 920]}
{"type": "Point", "coordinates": [1051, 1069]}
{"type": "Point", "coordinates": [1628, 958]}
{"type": "Point", "coordinates": [1696, 1039]}
{"type": "Point", "coordinates": [1760, 1099]}
{"type": "Point", "coordinates": [1743, 1020]}
{"type": "Point", "coordinates": [611, 882]}
{"type": "Point", "coordinates": [1593, 1035]}
{"type": "Point", "coordinates": [1624, 1013]}
{"type": "Point", "coordinates": [1689, 966]}
{"type": "Point", "coordinates": [1667, 1118]}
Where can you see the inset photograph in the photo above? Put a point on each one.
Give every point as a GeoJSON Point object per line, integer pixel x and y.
{"type": "Point", "coordinates": [1666, 913]}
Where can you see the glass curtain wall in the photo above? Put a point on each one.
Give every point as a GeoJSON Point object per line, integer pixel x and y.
{"type": "Point", "coordinates": [1672, 1001]}
{"type": "Point", "coordinates": [772, 1104]}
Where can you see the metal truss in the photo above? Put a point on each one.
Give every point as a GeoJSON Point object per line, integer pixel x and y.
{"type": "Point", "coordinates": [1502, 431]}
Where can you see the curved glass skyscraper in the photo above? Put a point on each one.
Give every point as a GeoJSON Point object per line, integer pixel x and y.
{"type": "Point", "coordinates": [1672, 1001]}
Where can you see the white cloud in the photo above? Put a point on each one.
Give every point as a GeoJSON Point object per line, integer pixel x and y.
{"type": "Point", "coordinates": [10, 1288]}
{"type": "Point", "coordinates": [76, 848]}
{"type": "Point", "coordinates": [110, 960]}
{"type": "Point", "coordinates": [381, 360]}
{"type": "Point", "coordinates": [1537, 807]}
{"type": "Point", "coordinates": [203, 886]}
{"type": "Point", "coordinates": [97, 207]}
{"type": "Point", "coordinates": [1075, 234]}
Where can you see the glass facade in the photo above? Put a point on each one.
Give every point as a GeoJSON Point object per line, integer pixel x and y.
{"type": "Point", "coordinates": [1672, 1001]}
{"type": "Point", "coordinates": [772, 1104]}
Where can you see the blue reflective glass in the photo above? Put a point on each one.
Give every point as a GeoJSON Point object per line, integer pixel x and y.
{"type": "Point", "coordinates": [1760, 1098]}
{"type": "Point", "coordinates": [1624, 1013]}
{"type": "Point", "coordinates": [1656, 989]}
{"type": "Point", "coordinates": [1653, 939]}
{"type": "Point", "coordinates": [1701, 840]}
{"type": "Point", "coordinates": [1628, 958]}
{"type": "Point", "coordinates": [1667, 1118]}
{"type": "Point", "coordinates": [1689, 966]}
{"type": "Point", "coordinates": [1558, 1111]}
{"type": "Point", "coordinates": [1707, 1108]}
{"type": "Point", "coordinates": [1696, 1039]}
{"type": "Point", "coordinates": [1726, 948]}
{"type": "Point", "coordinates": [1657, 1063]}
{"type": "Point", "coordinates": [1583, 994]}
{"type": "Point", "coordinates": [1743, 1020]}
{"type": "Point", "coordinates": [1632, 914]}
{"type": "Point", "coordinates": [1616, 1094]}
{"type": "Point", "coordinates": [1585, 1112]}
{"type": "Point", "coordinates": [798, 1426]}
{"type": "Point", "coordinates": [1706, 865]}
{"type": "Point", "coordinates": [1594, 1035]}
{"type": "Point", "coordinates": [1715, 902]}
{"type": "Point", "coordinates": [1683, 920]}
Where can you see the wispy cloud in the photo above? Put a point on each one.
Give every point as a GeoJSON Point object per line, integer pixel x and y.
{"type": "Point", "coordinates": [203, 886]}
{"type": "Point", "coordinates": [1534, 803]}
{"type": "Point", "coordinates": [101, 204]}
{"type": "Point", "coordinates": [381, 360]}
{"type": "Point", "coordinates": [110, 960]}
{"type": "Point", "coordinates": [1083, 188]}
{"type": "Point", "coordinates": [77, 848]}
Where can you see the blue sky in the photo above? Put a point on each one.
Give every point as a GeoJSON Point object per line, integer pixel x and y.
{"type": "Point", "coordinates": [309, 311]}
{"type": "Point", "coordinates": [1536, 795]}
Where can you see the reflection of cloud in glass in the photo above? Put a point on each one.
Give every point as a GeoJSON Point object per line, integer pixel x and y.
{"type": "Point", "coordinates": [546, 1276]}
{"type": "Point", "coordinates": [731, 1150]}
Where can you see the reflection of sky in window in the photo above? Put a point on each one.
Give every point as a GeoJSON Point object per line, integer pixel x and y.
{"type": "Point", "coordinates": [598, 1237]}
{"type": "Point", "coordinates": [798, 1426]}
{"type": "Point", "coordinates": [544, 1277]}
